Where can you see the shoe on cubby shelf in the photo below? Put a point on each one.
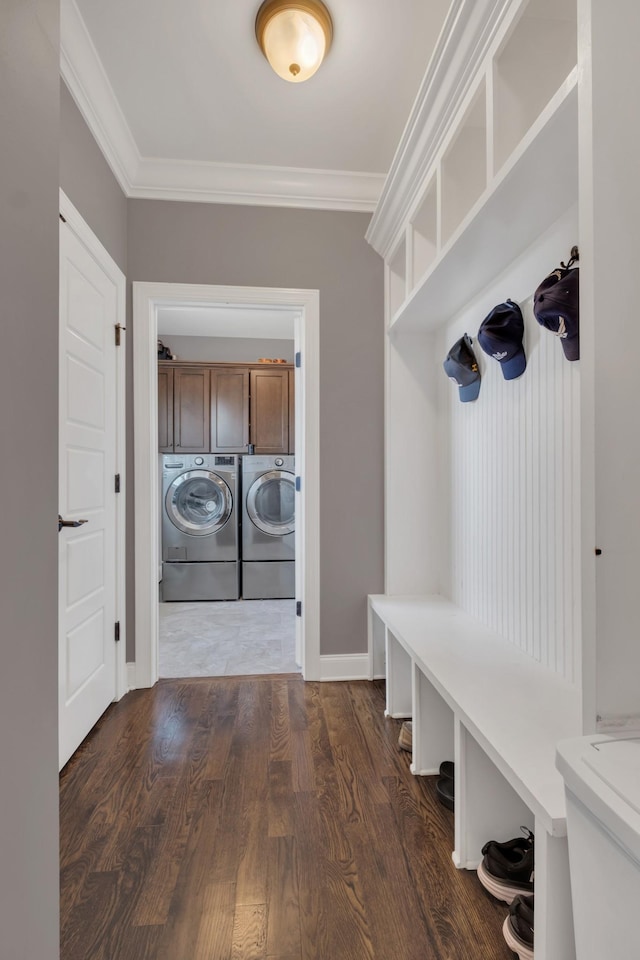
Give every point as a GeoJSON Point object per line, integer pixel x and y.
{"type": "Point", "coordinates": [444, 789]}
{"type": "Point", "coordinates": [506, 870]}
{"type": "Point", "coordinates": [447, 769]}
{"type": "Point", "coordinates": [405, 739]}
{"type": "Point", "coordinates": [518, 927]}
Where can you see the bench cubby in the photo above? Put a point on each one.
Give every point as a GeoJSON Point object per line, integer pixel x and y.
{"type": "Point", "coordinates": [477, 700]}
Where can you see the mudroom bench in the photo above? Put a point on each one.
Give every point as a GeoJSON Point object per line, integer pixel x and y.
{"type": "Point", "coordinates": [479, 700]}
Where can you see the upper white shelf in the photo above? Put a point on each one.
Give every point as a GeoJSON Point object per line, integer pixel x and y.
{"type": "Point", "coordinates": [530, 192]}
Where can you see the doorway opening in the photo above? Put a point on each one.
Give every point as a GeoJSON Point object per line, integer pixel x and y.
{"type": "Point", "coordinates": [226, 425]}
{"type": "Point", "coordinates": [301, 309]}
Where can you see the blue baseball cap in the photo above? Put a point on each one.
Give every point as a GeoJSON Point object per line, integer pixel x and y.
{"type": "Point", "coordinates": [556, 305]}
{"type": "Point", "coordinates": [461, 366]}
{"type": "Point", "coordinates": [501, 334]}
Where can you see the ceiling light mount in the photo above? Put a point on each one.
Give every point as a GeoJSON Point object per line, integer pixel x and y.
{"type": "Point", "coordinates": [294, 36]}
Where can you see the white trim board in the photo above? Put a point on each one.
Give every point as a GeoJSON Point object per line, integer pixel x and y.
{"type": "Point", "coordinates": [84, 233]}
{"type": "Point", "coordinates": [197, 181]}
{"type": "Point", "coordinates": [332, 668]}
{"type": "Point", "coordinates": [305, 306]}
{"type": "Point", "coordinates": [345, 666]}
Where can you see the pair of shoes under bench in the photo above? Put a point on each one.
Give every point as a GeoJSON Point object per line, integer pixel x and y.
{"type": "Point", "coordinates": [506, 870]}
{"type": "Point", "coordinates": [518, 927]}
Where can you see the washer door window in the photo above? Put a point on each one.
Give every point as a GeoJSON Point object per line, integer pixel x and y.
{"type": "Point", "coordinates": [199, 503]}
{"type": "Point", "coordinates": [271, 503]}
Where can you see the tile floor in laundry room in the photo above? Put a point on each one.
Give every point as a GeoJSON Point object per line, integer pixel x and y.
{"type": "Point", "coordinates": [225, 639]}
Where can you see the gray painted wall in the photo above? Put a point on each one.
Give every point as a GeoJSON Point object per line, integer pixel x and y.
{"type": "Point", "coordinates": [86, 178]}
{"type": "Point", "coordinates": [262, 246]}
{"type": "Point", "coordinates": [259, 246]}
{"type": "Point", "coordinates": [227, 349]}
{"type": "Point", "coordinates": [29, 114]}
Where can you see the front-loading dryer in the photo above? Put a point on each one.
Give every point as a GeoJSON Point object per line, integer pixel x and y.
{"type": "Point", "coordinates": [268, 527]}
{"type": "Point", "coordinates": [200, 546]}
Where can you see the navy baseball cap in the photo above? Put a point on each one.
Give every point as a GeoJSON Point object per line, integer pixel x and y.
{"type": "Point", "coordinates": [461, 366]}
{"type": "Point", "coordinates": [501, 334]}
{"type": "Point", "coordinates": [556, 305]}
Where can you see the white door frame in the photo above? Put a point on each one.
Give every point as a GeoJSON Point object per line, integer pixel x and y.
{"type": "Point", "coordinates": [305, 306]}
{"type": "Point", "coordinates": [89, 240]}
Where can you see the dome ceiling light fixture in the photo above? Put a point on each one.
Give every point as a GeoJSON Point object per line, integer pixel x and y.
{"type": "Point", "coordinates": [294, 36]}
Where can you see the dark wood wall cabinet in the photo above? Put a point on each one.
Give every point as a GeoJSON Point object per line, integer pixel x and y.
{"type": "Point", "coordinates": [165, 409]}
{"type": "Point", "coordinates": [191, 409]}
{"type": "Point", "coordinates": [229, 409]}
{"type": "Point", "coordinates": [223, 408]}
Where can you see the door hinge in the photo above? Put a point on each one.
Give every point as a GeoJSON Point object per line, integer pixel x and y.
{"type": "Point", "coordinates": [298, 484]}
{"type": "Point", "coordinates": [119, 328]}
{"type": "Point", "coordinates": [116, 631]}
{"type": "Point", "coordinates": [298, 359]}
{"type": "Point", "coordinates": [298, 608]}
{"type": "Point", "coordinates": [63, 218]}
{"type": "Point", "coordinates": [117, 483]}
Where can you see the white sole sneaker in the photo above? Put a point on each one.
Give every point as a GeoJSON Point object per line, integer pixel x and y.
{"type": "Point", "coordinates": [499, 889]}
{"type": "Point", "coordinates": [524, 952]}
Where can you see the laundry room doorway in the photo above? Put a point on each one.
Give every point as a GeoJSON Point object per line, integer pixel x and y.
{"type": "Point", "coordinates": [215, 498]}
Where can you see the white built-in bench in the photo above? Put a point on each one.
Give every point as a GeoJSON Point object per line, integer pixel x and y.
{"type": "Point", "coordinates": [477, 699]}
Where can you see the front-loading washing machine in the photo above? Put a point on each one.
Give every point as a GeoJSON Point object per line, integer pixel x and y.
{"type": "Point", "coordinates": [200, 543]}
{"type": "Point", "coordinates": [268, 527]}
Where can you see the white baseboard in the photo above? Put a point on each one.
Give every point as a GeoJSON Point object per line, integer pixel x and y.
{"type": "Point", "coordinates": [345, 666]}
{"type": "Point", "coordinates": [467, 865]}
{"type": "Point", "coordinates": [348, 666]}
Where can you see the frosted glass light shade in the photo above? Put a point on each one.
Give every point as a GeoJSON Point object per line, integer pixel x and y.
{"type": "Point", "coordinates": [294, 37]}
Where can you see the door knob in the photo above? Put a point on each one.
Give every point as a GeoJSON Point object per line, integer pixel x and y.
{"type": "Point", "coordinates": [69, 523]}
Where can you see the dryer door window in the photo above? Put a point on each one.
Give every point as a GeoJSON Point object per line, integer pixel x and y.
{"type": "Point", "coordinates": [271, 503]}
{"type": "Point", "coordinates": [199, 502]}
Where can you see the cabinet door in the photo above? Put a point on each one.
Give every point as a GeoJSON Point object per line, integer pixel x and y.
{"type": "Point", "coordinates": [165, 409]}
{"type": "Point", "coordinates": [191, 409]}
{"type": "Point", "coordinates": [269, 431]}
{"type": "Point", "coordinates": [292, 411]}
{"type": "Point", "coordinates": [229, 410]}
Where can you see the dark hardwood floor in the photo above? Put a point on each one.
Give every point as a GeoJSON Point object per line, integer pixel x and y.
{"type": "Point", "coordinates": [253, 818]}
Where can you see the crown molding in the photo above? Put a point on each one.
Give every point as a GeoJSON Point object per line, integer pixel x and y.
{"type": "Point", "coordinates": [197, 181]}
{"type": "Point", "coordinates": [85, 77]}
{"type": "Point", "coordinates": [257, 185]}
{"type": "Point", "coordinates": [468, 32]}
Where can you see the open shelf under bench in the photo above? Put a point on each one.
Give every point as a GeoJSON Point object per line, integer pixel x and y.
{"type": "Point", "coordinates": [479, 700]}
{"type": "Point", "coordinates": [515, 708]}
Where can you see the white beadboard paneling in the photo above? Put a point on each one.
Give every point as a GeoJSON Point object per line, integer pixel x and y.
{"type": "Point", "coordinates": [511, 469]}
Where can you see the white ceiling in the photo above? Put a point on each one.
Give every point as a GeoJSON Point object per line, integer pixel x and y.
{"type": "Point", "coordinates": [179, 88]}
{"type": "Point", "coordinates": [213, 321]}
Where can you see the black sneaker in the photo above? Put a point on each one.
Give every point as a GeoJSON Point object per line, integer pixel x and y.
{"type": "Point", "coordinates": [447, 769]}
{"type": "Point", "coordinates": [511, 849]}
{"type": "Point", "coordinates": [507, 868]}
{"type": "Point", "coordinates": [518, 927]}
{"type": "Point", "coordinates": [444, 789]}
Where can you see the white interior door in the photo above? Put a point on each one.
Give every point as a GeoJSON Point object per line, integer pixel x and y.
{"type": "Point", "coordinates": [87, 467]}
